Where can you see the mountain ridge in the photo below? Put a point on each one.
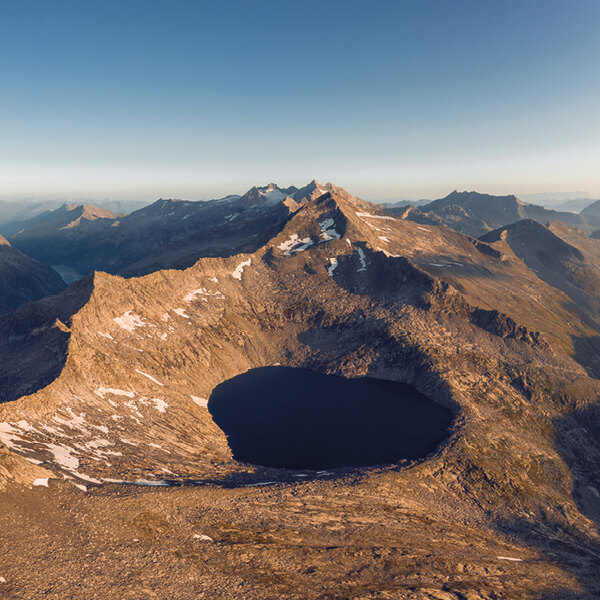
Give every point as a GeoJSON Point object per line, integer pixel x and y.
{"type": "Point", "coordinates": [475, 213]}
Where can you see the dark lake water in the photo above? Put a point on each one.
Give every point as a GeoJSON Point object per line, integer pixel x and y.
{"type": "Point", "coordinates": [300, 419]}
{"type": "Point", "coordinates": [68, 274]}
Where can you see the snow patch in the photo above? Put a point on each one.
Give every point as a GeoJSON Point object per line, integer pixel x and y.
{"type": "Point", "coordinates": [509, 558]}
{"type": "Point", "coordinates": [388, 253]}
{"type": "Point", "coordinates": [63, 456]}
{"type": "Point", "coordinates": [75, 422]}
{"type": "Point", "coordinates": [363, 260]}
{"type": "Point", "coordinates": [157, 483]}
{"type": "Point", "coordinates": [202, 402]}
{"type": "Point", "coordinates": [328, 231]}
{"type": "Point", "coordinates": [262, 483]}
{"type": "Point", "coordinates": [149, 377]}
{"type": "Point", "coordinates": [41, 481]}
{"type": "Point", "coordinates": [129, 321]}
{"type": "Point", "coordinates": [24, 425]}
{"type": "Point", "coordinates": [295, 244]}
{"type": "Point", "coordinates": [365, 215]}
{"type": "Point", "coordinates": [8, 437]}
{"type": "Point", "coordinates": [85, 477]}
{"type": "Point", "coordinates": [237, 274]}
{"type": "Point", "coordinates": [333, 263]}
{"type": "Point", "coordinates": [274, 195]}
{"type": "Point", "coordinates": [160, 405]}
{"type": "Point", "coordinates": [98, 443]}
{"type": "Point", "coordinates": [193, 295]}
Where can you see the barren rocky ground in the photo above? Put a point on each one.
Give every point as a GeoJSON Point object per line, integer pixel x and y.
{"type": "Point", "coordinates": [349, 537]}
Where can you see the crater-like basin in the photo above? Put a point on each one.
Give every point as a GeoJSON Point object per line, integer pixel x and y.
{"type": "Point", "coordinates": [299, 419]}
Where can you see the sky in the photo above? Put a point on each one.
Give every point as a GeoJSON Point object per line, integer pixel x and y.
{"type": "Point", "coordinates": [389, 99]}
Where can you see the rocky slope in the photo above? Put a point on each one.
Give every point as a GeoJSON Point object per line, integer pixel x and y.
{"type": "Point", "coordinates": [560, 255]}
{"type": "Point", "coordinates": [124, 368]}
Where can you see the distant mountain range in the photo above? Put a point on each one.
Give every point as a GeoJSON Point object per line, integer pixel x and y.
{"type": "Point", "coordinates": [79, 239]}
{"type": "Point", "coordinates": [24, 209]}
{"type": "Point", "coordinates": [165, 234]}
{"type": "Point", "coordinates": [475, 214]}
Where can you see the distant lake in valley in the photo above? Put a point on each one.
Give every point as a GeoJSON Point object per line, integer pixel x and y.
{"type": "Point", "coordinates": [68, 274]}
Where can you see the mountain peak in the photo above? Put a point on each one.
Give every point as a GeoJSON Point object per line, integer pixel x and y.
{"type": "Point", "coordinates": [88, 212]}
{"type": "Point", "coordinates": [471, 195]}
{"type": "Point", "coordinates": [313, 190]}
{"type": "Point", "coordinates": [268, 194]}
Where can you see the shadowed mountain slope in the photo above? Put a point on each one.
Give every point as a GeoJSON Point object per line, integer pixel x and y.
{"type": "Point", "coordinates": [23, 279]}
{"type": "Point", "coordinates": [560, 255]}
{"type": "Point", "coordinates": [166, 234]}
{"type": "Point", "coordinates": [55, 236]}
{"type": "Point", "coordinates": [592, 210]}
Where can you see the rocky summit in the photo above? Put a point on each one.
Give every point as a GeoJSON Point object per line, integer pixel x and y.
{"type": "Point", "coordinates": [111, 461]}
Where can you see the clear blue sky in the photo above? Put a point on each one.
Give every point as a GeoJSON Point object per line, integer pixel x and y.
{"type": "Point", "coordinates": [141, 99]}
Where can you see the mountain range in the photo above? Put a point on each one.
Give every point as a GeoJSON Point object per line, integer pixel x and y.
{"type": "Point", "coordinates": [475, 214]}
{"type": "Point", "coordinates": [486, 305]}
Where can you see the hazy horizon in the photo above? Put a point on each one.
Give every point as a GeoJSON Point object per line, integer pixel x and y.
{"type": "Point", "coordinates": [532, 198]}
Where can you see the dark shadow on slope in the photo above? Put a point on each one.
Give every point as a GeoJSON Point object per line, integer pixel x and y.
{"type": "Point", "coordinates": [181, 252]}
{"type": "Point", "coordinates": [573, 546]}
{"type": "Point", "coordinates": [165, 235]}
{"type": "Point", "coordinates": [397, 280]}
{"type": "Point", "coordinates": [578, 442]}
{"type": "Point", "coordinates": [576, 555]}
{"type": "Point", "coordinates": [587, 353]}
{"type": "Point", "coordinates": [300, 419]}
{"type": "Point", "coordinates": [34, 340]}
